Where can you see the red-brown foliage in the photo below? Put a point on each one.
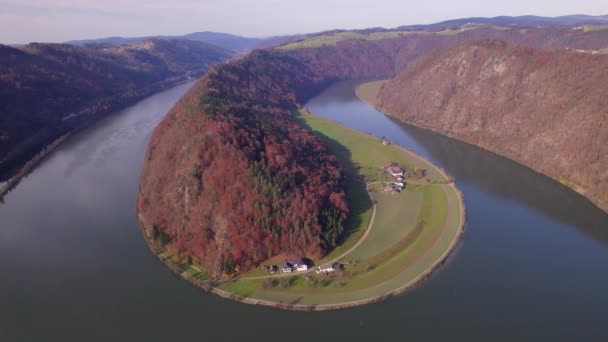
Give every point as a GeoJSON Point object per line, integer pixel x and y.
{"type": "Point", "coordinates": [544, 108]}
{"type": "Point", "coordinates": [231, 179]}
{"type": "Point", "coordinates": [41, 84]}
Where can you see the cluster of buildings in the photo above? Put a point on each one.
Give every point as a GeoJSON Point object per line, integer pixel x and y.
{"type": "Point", "coordinates": [397, 172]}
{"type": "Point", "coordinates": [303, 264]}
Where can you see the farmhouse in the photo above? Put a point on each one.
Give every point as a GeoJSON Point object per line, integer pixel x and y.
{"type": "Point", "coordinates": [286, 268]}
{"type": "Point", "coordinates": [327, 268]}
{"type": "Point", "coordinates": [395, 171]}
{"type": "Point", "coordinates": [297, 265]}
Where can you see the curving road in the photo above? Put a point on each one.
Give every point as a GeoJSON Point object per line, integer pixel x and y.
{"type": "Point", "coordinates": [336, 259]}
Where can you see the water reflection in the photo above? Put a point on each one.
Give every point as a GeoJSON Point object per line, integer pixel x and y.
{"type": "Point", "coordinates": [468, 164]}
{"type": "Point", "coordinates": [75, 268]}
{"type": "Point", "coordinates": [502, 177]}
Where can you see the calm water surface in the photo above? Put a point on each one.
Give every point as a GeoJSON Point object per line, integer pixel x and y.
{"type": "Point", "coordinates": [74, 267]}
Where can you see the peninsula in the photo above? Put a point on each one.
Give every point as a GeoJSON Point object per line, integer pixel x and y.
{"type": "Point", "coordinates": [248, 197]}
{"type": "Point", "coordinates": [406, 216]}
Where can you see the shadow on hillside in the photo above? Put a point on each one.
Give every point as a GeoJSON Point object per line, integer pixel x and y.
{"type": "Point", "coordinates": [356, 193]}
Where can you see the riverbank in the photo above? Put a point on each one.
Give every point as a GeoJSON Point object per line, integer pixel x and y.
{"type": "Point", "coordinates": [368, 92]}
{"type": "Point", "coordinates": [412, 235]}
{"type": "Point", "coordinates": [86, 119]}
{"type": "Point", "coordinates": [29, 166]}
{"type": "Point", "coordinates": [89, 243]}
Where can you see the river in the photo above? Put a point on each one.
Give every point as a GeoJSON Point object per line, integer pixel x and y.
{"type": "Point", "coordinates": [74, 266]}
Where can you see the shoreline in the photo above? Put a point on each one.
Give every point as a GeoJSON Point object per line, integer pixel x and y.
{"type": "Point", "coordinates": [35, 160]}
{"type": "Point", "coordinates": [210, 286]}
{"type": "Point", "coordinates": [29, 166]}
{"type": "Point", "coordinates": [602, 205]}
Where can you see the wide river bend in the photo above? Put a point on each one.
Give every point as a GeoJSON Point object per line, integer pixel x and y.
{"type": "Point", "coordinates": [74, 266]}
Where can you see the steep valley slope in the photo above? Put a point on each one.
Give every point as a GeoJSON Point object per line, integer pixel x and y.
{"type": "Point", "coordinates": [230, 179]}
{"type": "Point", "coordinates": [546, 109]}
{"type": "Point", "coordinates": [47, 90]}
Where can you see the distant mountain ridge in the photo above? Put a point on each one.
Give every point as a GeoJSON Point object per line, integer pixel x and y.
{"type": "Point", "coordinates": [524, 20]}
{"type": "Point", "coordinates": [223, 40]}
{"type": "Point", "coordinates": [242, 44]}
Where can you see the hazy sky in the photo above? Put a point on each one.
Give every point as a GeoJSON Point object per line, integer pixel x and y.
{"type": "Point", "coordinates": [60, 20]}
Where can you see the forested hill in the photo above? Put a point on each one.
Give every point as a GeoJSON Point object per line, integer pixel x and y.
{"type": "Point", "coordinates": [545, 109]}
{"type": "Point", "coordinates": [47, 90]}
{"type": "Point", "coordinates": [230, 179]}
{"type": "Point", "coordinates": [570, 149]}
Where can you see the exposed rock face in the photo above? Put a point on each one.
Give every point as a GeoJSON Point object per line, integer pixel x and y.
{"type": "Point", "coordinates": [545, 109]}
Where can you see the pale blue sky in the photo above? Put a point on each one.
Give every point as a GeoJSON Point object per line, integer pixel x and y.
{"type": "Point", "coordinates": [60, 20]}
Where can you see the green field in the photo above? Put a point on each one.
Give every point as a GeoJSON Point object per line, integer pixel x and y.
{"type": "Point", "coordinates": [369, 91]}
{"type": "Point", "coordinates": [591, 28]}
{"type": "Point", "coordinates": [396, 216]}
{"type": "Point", "coordinates": [362, 154]}
{"type": "Point", "coordinates": [411, 232]}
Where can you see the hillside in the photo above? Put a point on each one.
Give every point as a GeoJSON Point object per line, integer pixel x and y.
{"type": "Point", "coordinates": [230, 179]}
{"type": "Point", "coordinates": [546, 109]}
{"type": "Point", "coordinates": [352, 54]}
{"type": "Point", "coordinates": [408, 39]}
{"type": "Point", "coordinates": [524, 20]}
{"type": "Point", "coordinates": [47, 90]}
{"type": "Point", "coordinates": [224, 40]}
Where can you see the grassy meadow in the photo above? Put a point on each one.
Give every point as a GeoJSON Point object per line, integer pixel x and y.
{"type": "Point", "coordinates": [411, 230]}
{"type": "Point", "coordinates": [331, 39]}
